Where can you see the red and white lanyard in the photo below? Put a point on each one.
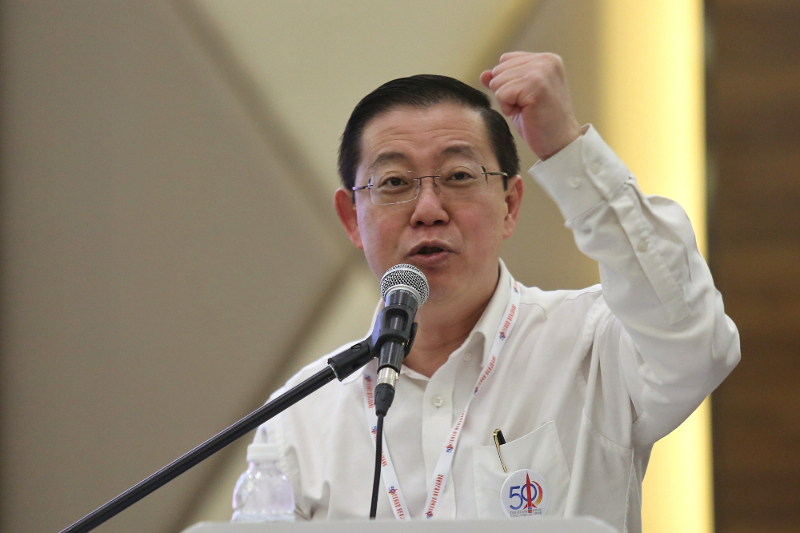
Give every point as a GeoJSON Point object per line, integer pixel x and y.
{"type": "Point", "coordinates": [443, 466]}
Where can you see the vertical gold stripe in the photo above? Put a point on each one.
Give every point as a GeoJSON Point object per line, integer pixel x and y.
{"type": "Point", "coordinates": [652, 114]}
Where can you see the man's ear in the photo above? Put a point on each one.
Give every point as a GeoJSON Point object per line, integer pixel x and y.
{"type": "Point", "coordinates": [513, 202]}
{"type": "Point", "coordinates": [346, 211]}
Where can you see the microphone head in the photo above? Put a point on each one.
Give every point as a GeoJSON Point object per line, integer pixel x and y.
{"type": "Point", "coordinates": [405, 276]}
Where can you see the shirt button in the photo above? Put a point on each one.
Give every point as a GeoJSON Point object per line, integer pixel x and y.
{"type": "Point", "coordinates": [437, 401]}
{"type": "Point", "coordinates": [574, 182]}
{"type": "Point", "coordinates": [596, 167]}
{"type": "Point", "coordinates": [642, 246]}
{"type": "Point", "coordinates": [467, 357]}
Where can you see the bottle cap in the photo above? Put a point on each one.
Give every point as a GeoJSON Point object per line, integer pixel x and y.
{"type": "Point", "coordinates": [260, 452]}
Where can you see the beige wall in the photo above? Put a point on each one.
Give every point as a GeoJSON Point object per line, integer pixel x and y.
{"type": "Point", "coordinates": [159, 260]}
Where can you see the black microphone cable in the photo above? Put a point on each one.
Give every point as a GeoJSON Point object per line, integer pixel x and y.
{"type": "Point", "coordinates": [376, 481]}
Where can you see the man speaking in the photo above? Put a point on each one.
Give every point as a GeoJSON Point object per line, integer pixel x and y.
{"type": "Point", "coordinates": [579, 383]}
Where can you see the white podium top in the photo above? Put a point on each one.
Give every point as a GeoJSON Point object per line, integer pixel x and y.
{"type": "Point", "coordinates": [528, 525]}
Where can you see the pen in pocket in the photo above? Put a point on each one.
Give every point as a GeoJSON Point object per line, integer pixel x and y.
{"type": "Point", "coordinates": [499, 440]}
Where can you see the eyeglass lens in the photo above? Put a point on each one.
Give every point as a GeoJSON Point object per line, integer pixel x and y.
{"type": "Point", "coordinates": [397, 186]}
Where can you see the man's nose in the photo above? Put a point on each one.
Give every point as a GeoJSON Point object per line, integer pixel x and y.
{"type": "Point", "coordinates": [428, 208]}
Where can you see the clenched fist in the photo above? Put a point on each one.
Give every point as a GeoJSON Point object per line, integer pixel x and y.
{"type": "Point", "coordinates": [531, 89]}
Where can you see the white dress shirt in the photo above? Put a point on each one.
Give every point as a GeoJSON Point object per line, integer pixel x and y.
{"type": "Point", "coordinates": [587, 381]}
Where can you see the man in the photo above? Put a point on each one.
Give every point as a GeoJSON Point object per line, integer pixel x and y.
{"type": "Point", "coordinates": [581, 383]}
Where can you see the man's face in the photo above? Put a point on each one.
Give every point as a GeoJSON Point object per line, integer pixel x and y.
{"type": "Point", "coordinates": [454, 241]}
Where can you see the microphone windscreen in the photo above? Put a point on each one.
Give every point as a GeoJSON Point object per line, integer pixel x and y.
{"type": "Point", "coordinates": [406, 275]}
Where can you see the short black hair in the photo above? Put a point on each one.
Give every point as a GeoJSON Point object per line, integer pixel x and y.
{"type": "Point", "coordinates": [424, 90]}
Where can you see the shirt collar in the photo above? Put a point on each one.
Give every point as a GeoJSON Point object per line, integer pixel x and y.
{"type": "Point", "coordinates": [489, 322]}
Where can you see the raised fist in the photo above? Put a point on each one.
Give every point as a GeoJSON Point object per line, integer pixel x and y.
{"type": "Point", "coordinates": [532, 90]}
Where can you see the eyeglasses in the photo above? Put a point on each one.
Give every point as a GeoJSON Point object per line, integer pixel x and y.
{"type": "Point", "coordinates": [397, 187]}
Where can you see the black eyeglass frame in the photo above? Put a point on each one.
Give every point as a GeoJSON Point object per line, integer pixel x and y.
{"type": "Point", "coordinates": [419, 179]}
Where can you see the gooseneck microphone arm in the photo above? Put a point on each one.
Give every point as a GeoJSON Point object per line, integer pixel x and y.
{"type": "Point", "coordinates": [339, 367]}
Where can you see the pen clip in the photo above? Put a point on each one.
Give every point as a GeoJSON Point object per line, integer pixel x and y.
{"type": "Point", "coordinates": [499, 440]}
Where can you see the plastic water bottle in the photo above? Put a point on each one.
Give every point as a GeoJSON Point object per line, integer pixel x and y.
{"type": "Point", "coordinates": [263, 493]}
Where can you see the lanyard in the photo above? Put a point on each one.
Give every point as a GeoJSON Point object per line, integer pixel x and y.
{"type": "Point", "coordinates": [443, 466]}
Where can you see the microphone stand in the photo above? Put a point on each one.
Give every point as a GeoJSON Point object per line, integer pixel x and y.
{"type": "Point", "coordinates": [339, 367]}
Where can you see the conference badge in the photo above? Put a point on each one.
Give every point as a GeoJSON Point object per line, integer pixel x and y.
{"type": "Point", "coordinates": [525, 494]}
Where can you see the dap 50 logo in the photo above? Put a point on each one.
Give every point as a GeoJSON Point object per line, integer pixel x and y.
{"type": "Point", "coordinates": [525, 494]}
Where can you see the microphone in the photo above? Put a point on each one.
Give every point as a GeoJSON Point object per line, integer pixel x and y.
{"type": "Point", "coordinates": [404, 289]}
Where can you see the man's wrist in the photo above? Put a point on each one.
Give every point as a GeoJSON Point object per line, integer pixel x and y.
{"type": "Point", "coordinates": [580, 175]}
{"type": "Point", "coordinates": [568, 138]}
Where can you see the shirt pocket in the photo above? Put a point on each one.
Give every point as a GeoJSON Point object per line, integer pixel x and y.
{"type": "Point", "coordinates": [540, 451]}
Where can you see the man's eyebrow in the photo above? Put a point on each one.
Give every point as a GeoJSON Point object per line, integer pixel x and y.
{"type": "Point", "coordinates": [390, 157]}
{"type": "Point", "coordinates": [387, 157]}
{"type": "Point", "coordinates": [460, 149]}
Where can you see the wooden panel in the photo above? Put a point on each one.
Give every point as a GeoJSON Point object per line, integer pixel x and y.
{"type": "Point", "coordinates": [763, 265]}
{"type": "Point", "coordinates": [754, 247]}
{"type": "Point", "coordinates": [755, 105]}
{"type": "Point", "coordinates": [755, 32]}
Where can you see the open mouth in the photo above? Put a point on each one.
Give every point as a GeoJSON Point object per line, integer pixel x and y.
{"type": "Point", "coordinates": [430, 254]}
{"type": "Point", "coordinates": [429, 250]}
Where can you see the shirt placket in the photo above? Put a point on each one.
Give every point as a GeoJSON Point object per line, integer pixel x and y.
{"type": "Point", "coordinates": [437, 416]}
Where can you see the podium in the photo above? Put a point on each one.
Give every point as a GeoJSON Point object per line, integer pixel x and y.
{"type": "Point", "coordinates": [526, 525]}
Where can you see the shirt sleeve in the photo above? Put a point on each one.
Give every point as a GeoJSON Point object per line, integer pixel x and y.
{"type": "Point", "coordinates": [676, 343]}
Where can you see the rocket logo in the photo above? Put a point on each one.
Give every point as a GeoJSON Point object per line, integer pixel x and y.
{"type": "Point", "coordinates": [525, 494]}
